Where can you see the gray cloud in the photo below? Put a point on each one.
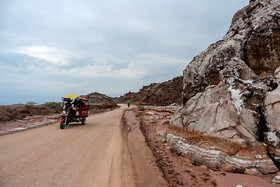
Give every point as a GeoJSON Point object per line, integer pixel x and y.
{"type": "Point", "coordinates": [50, 48]}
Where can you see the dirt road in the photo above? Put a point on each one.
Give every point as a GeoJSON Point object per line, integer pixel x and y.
{"type": "Point", "coordinates": [90, 155]}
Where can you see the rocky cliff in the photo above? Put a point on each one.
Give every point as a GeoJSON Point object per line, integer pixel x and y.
{"type": "Point", "coordinates": [230, 91]}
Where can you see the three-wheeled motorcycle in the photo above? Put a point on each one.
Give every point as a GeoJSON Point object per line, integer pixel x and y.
{"type": "Point", "coordinates": [74, 109]}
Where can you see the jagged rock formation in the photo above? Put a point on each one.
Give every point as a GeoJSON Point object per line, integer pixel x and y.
{"type": "Point", "coordinates": [229, 90]}
{"type": "Point", "coordinates": [158, 94]}
{"type": "Point", "coordinates": [252, 37]}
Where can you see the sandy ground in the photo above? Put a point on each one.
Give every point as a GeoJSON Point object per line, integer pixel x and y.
{"type": "Point", "coordinates": [96, 154]}
{"type": "Point", "coordinates": [27, 123]}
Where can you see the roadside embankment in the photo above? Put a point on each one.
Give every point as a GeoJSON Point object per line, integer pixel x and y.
{"type": "Point", "coordinates": [144, 163]}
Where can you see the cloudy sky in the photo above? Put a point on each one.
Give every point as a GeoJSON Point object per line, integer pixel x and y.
{"type": "Point", "coordinates": [57, 47]}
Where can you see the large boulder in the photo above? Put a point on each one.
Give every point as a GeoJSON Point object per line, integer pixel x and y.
{"type": "Point", "coordinates": [230, 109]}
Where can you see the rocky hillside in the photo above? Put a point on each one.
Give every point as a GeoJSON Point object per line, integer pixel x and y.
{"type": "Point", "coordinates": [159, 94]}
{"type": "Point", "coordinates": [230, 90]}
{"type": "Point", "coordinates": [98, 98]}
{"type": "Point", "coordinates": [20, 111]}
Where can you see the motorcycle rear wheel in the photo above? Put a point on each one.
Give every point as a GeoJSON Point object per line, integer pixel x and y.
{"type": "Point", "coordinates": [83, 121]}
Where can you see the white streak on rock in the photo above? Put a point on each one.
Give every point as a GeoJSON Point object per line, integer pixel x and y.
{"type": "Point", "coordinates": [215, 158]}
{"type": "Point", "coordinates": [273, 138]}
{"type": "Point", "coordinates": [236, 99]}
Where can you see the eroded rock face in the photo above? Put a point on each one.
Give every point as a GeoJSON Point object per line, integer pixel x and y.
{"type": "Point", "coordinates": [272, 116]}
{"type": "Point", "coordinates": [230, 90]}
{"type": "Point", "coordinates": [252, 37]}
{"type": "Point", "coordinates": [229, 109]}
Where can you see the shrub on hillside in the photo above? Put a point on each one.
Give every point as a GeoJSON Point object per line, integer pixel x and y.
{"type": "Point", "coordinates": [31, 103]}
{"type": "Point", "coordinates": [53, 105]}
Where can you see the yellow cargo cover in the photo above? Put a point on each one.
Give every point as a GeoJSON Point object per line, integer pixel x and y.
{"type": "Point", "coordinates": [70, 96]}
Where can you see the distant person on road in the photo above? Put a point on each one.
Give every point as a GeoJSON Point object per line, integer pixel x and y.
{"type": "Point", "coordinates": [128, 105]}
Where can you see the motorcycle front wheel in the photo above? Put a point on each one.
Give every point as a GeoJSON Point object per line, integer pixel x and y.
{"type": "Point", "coordinates": [62, 125]}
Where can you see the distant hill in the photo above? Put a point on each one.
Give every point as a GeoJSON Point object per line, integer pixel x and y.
{"type": "Point", "coordinates": [96, 97]}
{"type": "Point", "coordinates": [158, 94]}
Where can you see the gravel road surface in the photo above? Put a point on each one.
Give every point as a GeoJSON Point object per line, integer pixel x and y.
{"type": "Point", "coordinates": [90, 155]}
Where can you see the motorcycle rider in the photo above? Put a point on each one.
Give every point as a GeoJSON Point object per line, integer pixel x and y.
{"type": "Point", "coordinates": [69, 105]}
